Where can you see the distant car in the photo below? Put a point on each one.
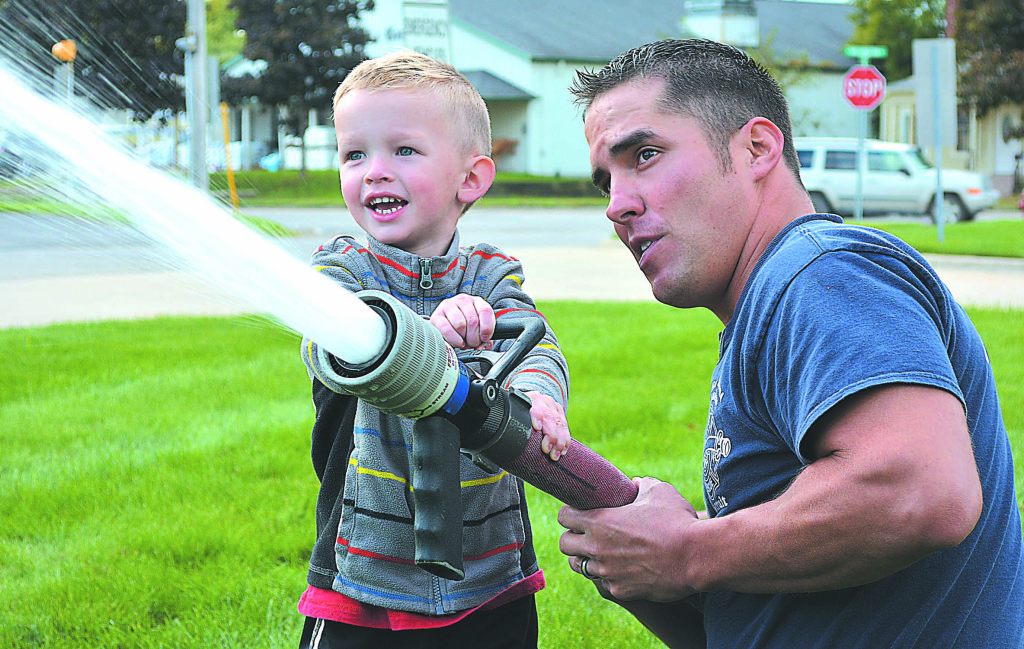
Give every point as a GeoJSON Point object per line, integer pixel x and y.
{"type": "Point", "coordinates": [897, 179]}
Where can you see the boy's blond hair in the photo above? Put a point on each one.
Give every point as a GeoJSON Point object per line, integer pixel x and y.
{"type": "Point", "coordinates": [409, 70]}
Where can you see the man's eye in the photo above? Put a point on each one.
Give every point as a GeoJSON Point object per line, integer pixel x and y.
{"type": "Point", "coordinates": [646, 154]}
{"type": "Point", "coordinates": [355, 155]}
{"type": "Point", "coordinates": [406, 150]}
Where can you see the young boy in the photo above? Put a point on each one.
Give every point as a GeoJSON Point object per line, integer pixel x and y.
{"type": "Point", "coordinates": [413, 149]}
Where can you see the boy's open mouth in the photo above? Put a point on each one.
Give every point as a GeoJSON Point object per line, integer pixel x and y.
{"type": "Point", "coordinates": [386, 204]}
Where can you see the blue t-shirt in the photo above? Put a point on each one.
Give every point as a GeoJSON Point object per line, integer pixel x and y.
{"type": "Point", "coordinates": [830, 310]}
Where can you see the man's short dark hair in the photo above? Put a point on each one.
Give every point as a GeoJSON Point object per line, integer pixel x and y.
{"type": "Point", "coordinates": [718, 85]}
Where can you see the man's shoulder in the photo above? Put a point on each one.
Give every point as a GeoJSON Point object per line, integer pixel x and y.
{"type": "Point", "coordinates": [814, 255]}
{"type": "Point", "coordinates": [812, 237]}
{"type": "Point", "coordinates": [828, 246]}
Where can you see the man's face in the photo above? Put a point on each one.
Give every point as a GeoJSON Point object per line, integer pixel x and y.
{"type": "Point", "coordinates": [684, 220]}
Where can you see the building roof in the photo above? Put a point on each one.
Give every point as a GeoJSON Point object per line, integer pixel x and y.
{"type": "Point", "coordinates": [493, 88]}
{"type": "Point", "coordinates": [819, 29]}
{"type": "Point", "coordinates": [599, 30]}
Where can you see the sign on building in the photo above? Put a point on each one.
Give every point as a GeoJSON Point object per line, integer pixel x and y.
{"type": "Point", "coordinates": [423, 26]}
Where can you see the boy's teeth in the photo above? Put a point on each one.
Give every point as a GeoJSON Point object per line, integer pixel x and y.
{"type": "Point", "coordinates": [385, 204]}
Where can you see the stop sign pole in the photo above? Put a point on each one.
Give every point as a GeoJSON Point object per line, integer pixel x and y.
{"type": "Point", "coordinates": [864, 89]}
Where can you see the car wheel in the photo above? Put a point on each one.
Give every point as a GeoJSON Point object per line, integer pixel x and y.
{"type": "Point", "coordinates": [821, 204]}
{"type": "Point", "coordinates": [953, 209]}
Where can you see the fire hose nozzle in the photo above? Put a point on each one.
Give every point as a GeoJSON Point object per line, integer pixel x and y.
{"type": "Point", "coordinates": [414, 375]}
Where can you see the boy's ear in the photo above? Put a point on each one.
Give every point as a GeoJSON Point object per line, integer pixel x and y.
{"type": "Point", "coordinates": [478, 179]}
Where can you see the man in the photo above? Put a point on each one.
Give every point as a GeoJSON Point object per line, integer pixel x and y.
{"type": "Point", "coordinates": [857, 473]}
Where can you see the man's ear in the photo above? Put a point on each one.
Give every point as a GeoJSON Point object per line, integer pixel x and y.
{"type": "Point", "coordinates": [478, 180]}
{"type": "Point", "coordinates": [764, 144]}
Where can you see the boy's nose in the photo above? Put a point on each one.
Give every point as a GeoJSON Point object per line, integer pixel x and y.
{"type": "Point", "coordinates": [377, 173]}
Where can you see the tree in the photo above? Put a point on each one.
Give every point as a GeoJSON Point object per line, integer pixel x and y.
{"type": "Point", "coordinates": [223, 39]}
{"type": "Point", "coordinates": [895, 24]}
{"type": "Point", "coordinates": [126, 49]}
{"type": "Point", "coordinates": [308, 45]}
{"type": "Point", "coordinates": [790, 69]}
{"type": "Point", "coordinates": [990, 53]}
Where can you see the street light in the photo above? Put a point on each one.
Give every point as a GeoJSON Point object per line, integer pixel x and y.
{"type": "Point", "coordinates": [65, 51]}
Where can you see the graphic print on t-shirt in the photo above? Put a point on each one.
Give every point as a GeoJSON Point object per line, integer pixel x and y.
{"type": "Point", "coordinates": [716, 447]}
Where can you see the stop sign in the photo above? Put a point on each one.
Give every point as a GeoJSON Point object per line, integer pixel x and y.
{"type": "Point", "coordinates": [864, 87]}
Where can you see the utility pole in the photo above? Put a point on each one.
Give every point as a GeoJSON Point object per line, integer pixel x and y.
{"type": "Point", "coordinates": [196, 101]}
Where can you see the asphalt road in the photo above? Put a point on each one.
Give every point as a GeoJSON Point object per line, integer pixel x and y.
{"type": "Point", "coordinates": [56, 269]}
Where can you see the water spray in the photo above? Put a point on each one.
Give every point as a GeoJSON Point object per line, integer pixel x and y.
{"type": "Point", "coordinates": [419, 376]}
{"type": "Point", "coordinates": [196, 230]}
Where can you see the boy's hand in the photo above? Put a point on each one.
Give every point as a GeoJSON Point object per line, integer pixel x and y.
{"type": "Point", "coordinates": [465, 322]}
{"type": "Point", "coordinates": [549, 418]}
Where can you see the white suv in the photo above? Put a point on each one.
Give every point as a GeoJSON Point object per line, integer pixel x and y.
{"type": "Point", "coordinates": [896, 179]}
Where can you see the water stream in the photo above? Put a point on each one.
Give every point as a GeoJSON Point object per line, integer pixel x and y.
{"type": "Point", "coordinates": [195, 230]}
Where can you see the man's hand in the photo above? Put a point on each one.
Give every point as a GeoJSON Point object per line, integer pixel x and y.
{"type": "Point", "coordinates": [465, 322]}
{"type": "Point", "coordinates": [637, 551]}
{"type": "Point", "coordinates": [549, 418]}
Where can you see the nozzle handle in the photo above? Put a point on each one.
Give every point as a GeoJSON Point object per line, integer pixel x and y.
{"type": "Point", "coordinates": [437, 497]}
{"type": "Point", "coordinates": [527, 333]}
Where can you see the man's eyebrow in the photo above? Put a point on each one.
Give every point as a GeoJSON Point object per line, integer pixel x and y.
{"type": "Point", "coordinates": [638, 136]}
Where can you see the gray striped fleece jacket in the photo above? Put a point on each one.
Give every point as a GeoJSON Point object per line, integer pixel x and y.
{"type": "Point", "coordinates": [367, 523]}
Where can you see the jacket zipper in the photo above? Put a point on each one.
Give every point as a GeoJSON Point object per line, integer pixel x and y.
{"type": "Point", "coordinates": [435, 586]}
{"type": "Point", "coordinates": [426, 281]}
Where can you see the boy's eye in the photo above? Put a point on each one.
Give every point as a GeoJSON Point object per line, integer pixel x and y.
{"type": "Point", "coordinates": [355, 155]}
{"type": "Point", "coordinates": [406, 150]}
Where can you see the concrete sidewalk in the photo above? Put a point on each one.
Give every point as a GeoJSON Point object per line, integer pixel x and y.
{"type": "Point", "coordinates": [591, 273]}
{"type": "Point", "coordinates": [551, 274]}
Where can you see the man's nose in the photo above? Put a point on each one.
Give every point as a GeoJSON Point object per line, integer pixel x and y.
{"type": "Point", "coordinates": [623, 204]}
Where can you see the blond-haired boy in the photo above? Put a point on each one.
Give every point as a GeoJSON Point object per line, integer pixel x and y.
{"type": "Point", "coordinates": [413, 149]}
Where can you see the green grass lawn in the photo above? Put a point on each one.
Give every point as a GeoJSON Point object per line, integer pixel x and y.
{"type": "Point", "coordinates": [319, 188]}
{"type": "Point", "coordinates": [156, 488]}
{"type": "Point", "coordinates": [983, 238]}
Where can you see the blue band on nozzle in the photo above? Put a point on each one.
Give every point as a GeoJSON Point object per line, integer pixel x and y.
{"type": "Point", "coordinates": [461, 390]}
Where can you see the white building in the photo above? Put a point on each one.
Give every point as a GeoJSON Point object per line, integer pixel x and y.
{"type": "Point", "coordinates": [523, 55]}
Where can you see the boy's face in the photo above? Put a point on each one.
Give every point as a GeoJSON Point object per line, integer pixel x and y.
{"type": "Point", "coordinates": [401, 167]}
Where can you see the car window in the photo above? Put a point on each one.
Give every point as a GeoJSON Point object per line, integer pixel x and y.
{"type": "Point", "coordinates": [806, 158]}
{"type": "Point", "coordinates": [841, 160]}
{"type": "Point", "coordinates": [884, 161]}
